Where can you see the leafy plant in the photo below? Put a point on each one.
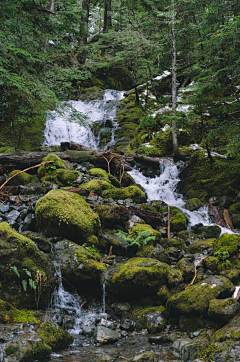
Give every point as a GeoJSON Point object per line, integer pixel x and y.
{"type": "Point", "coordinates": [223, 256]}
{"type": "Point", "coordinates": [25, 282]}
{"type": "Point", "coordinates": [143, 237]}
{"type": "Point", "coordinates": [92, 249]}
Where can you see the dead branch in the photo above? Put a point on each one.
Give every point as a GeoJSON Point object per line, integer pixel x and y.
{"type": "Point", "coordinates": [168, 221]}
{"type": "Point", "coordinates": [18, 173]}
{"type": "Point", "coordinates": [195, 276]}
{"type": "Point", "coordinates": [227, 219]}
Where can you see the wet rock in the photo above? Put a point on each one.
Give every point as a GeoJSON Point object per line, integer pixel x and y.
{"type": "Point", "coordinates": [106, 323]}
{"type": "Point", "coordinates": [209, 232]}
{"type": "Point", "coordinates": [187, 269]}
{"type": "Point", "coordinates": [108, 239]}
{"type": "Point", "coordinates": [187, 236]}
{"type": "Point", "coordinates": [174, 254]}
{"type": "Point", "coordinates": [159, 339]}
{"type": "Point", "coordinates": [127, 323]}
{"type": "Point", "coordinates": [88, 330]}
{"type": "Point", "coordinates": [79, 266]}
{"type": "Point", "coordinates": [160, 254]}
{"type": "Point", "coordinates": [127, 180]}
{"type": "Point", "coordinates": [154, 321]}
{"type": "Point", "coordinates": [193, 204]}
{"type": "Point", "coordinates": [188, 351]}
{"type": "Point", "coordinates": [223, 310]}
{"type": "Point", "coordinates": [179, 343]}
{"type": "Point", "coordinates": [41, 241]}
{"type": "Point", "coordinates": [105, 335]}
{"type": "Point", "coordinates": [214, 201]}
{"type": "Point", "coordinates": [190, 323]}
{"type": "Point", "coordinates": [230, 332]}
{"type": "Point", "coordinates": [196, 228]}
{"type": "Point", "coordinates": [121, 308]}
{"type": "Point", "coordinates": [28, 222]}
{"type": "Point", "coordinates": [130, 192]}
{"type": "Point", "coordinates": [200, 246]}
{"type": "Point", "coordinates": [12, 216]}
{"type": "Point", "coordinates": [145, 357]}
{"type": "Point", "coordinates": [196, 298]}
{"type": "Point", "coordinates": [134, 220]}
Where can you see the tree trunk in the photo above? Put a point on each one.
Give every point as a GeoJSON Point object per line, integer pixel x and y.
{"type": "Point", "coordinates": [174, 82]}
{"type": "Point", "coordinates": [107, 20]}
{"type": "Point", "coordinates": [52, 3]}
{"type": "Point", "coordinates": [84, 30]}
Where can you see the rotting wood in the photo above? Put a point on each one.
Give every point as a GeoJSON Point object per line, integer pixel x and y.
{"type": "Point", "coordinates": [216, 215]}
{"type": "Point", "coordinates": [195, 276]}
{"type": "Point", "coordinates": [124, 213]}
{"type": "Point", "coordinates": [27, 169]}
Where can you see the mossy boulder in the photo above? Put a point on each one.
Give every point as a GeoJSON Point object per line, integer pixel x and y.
{"type": "Point", "coordinates": [127, 180]}
{"type": "Point", "coordinates": [137, 277]}
{"type": "Point", "coordinates": [150, 318]}
{"type": "Point", "coordinates": [80, 267]}
{"type": "Point", "coordinates": [230, 332]}
{"type": "Point", "coordinates": [97, 186]}
{"type": "Point", "coordinates": [66, 214]}
{"type": "Point", "coordinates": [208, 232]}
{"type": "Point", "coordinates": [137, 228]}
{"type": "Point", "coordinates": [40, 240]}
{"type": "Point", "coordinates": [21, 253]}
{"type": "Point", "coordinates": [99, 172]}
{"type": "Point", "coordinates": [223, 309]}
{"type": "Point", "coordinates": [193, 204]}
{"type": "Point", "coordinates": [130, 192]}
{"type": "Point", "coordinates": [108, 239]}
{"type": "Point", "coordinates": [107, 216]}
{"type": "Point", "coordinates": [21, 179]}
{"type": "Point", "coordinates": [177, 219]}
{"type": "Point", "coordinates": [57, 163]}
{"type": "Point", "coordinates": [146, 252]}
{"type": "Point", "coordinates": [186, 268]}
{"type": "Point", "coordinates": [227, 242]}
{"type": "Point", "coordinates": [197, 297]}
{"type": "Point", "coordinates": [235, 208]}
{"type": "Point", "coordinates": [45, 338]}
{"type": "Point", "coordinates": [236, 221]}
{"type": "Point", "coordinates": [200, 245]}
{"type": "Point", "coordinates": [6, 149]}
{"type": "Point", "coordinates": [66, 177]}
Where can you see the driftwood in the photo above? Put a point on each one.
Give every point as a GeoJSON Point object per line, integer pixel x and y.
{"type": "Point", "coordinates": [195, 276]}
{"type": "Point", "coordinates": [220, 217]}
{"type": "Point", "coordinates": [123, 214]}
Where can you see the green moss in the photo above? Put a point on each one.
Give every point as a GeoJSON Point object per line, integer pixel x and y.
{"type": "Point", "coordinates": [193, 204]}
{"type": "Point", "coordinates": [27, 256]}
{"type": "Point", "coordinates": [8, 314]}
{"type": "Point", "coordinates": [127, 180]}
{"type": "Point", "coordinates": [196, 298]}
{"type": "Point", "coordinates": [136, 228]}
{"type": "Point", "coordinates": [178, 220]}
{"type": "Point", "coordinates": [230, 332]}
{"type": "Point", "coordinates": [11, 349]}
{"type": "Point", "coordinates": [106, 214]}
{"type": "Point", "coordinates": [66, 214]}
{"type": "Point", "coordinates": [6, 149]}
{"type": "Point", "coordinates": [227, 242]}
{"type": "Point", "coordinates": [57, 162]}
{"type": "Point", "coordinates": [54, 336]}
{"type": "Point", "coordinates": [200, 245]}
{"type": "Point", "coordinates": [21, 179]}
{"type": "Point", "coordinates": [145, 251]}
{"type": "Point", "coordinates": [173, 243]}
{"type": "Point", "coordinates": [236, 221]}
{"type": "Point", "coordinates": [67, 177]}
{"type": "Point", "coordinates": [175, 277]}
{"type": "Point", "coordinates": [148, 208]}
{"type": "Point", "coordinates": [99, 172]}
{"type": "Point", "coordinates": [92, 240]}
{"type": "Point", "coordinates": [138, 276]}
{"type": "Point", "coordinates": [140, 314]}
{"type": "Point", "coordinates": [235, 208]}
{"type": "Point", "coordinates": [131, 192]}
{"type": "Point", "coordinates": [98, 186]}
{"type": "Point", "coordinates": [219, 308]}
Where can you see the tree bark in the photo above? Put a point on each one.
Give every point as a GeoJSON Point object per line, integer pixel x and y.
{"type": "Point", "coordinates": [174, 82]}
{"type": "Point", "coordinates": [107, 20]}
{"type": "Point", "coordinates": [84, 30]}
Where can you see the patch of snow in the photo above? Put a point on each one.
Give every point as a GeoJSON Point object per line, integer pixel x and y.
{"type": "Point", "coordinates": [213, 286]}
{"type": "Point", "coordinates": [164, 75]}
{"type": "Point", "coordinates": [165, 128]}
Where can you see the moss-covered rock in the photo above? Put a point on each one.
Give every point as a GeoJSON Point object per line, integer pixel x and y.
{"type": "Point", "coordinates": [108, 239]}
{"type": "Point", "coordinates": [80, 267]}
{"type": "Point", "coordinates": [66, 214]}
{"type": "Point", "coordinates": [177, 219]}
{"type": "Point", "coordinates": [57, 163]}
{"type": "Point", "coordinates": [196, 298]}
{"type": "Point", "coordinates": [13, 315]}
{"type": "Point", "coordinates": [99, 172]}
{"type": "Point", "coordinates": [40, 240]}
{"type": "Point", "coordinates": [127, 180]}
{"type": "Point", "coordinates": [236, 221]}
{"type": "Point", "coordinates": [137, 228]}
{"type": "Point", "coordinates": [150, 318]}
{"type": "Point", "coordinates": [212, 231]}
{"type": "Point", "coordinates": [146, 252]}
{"type": "Point", "coordinates": [107, 216]}
{"type": "Point", "coordinates": [227, 242]}
{"type": "Point", "coordinates": [223, 310]}
{"type": "Point", "coordinates": [235, 208]}
{"type": "Point", "coordinates": [97, 186]}
{"type": "Point", "coordinates": [18, 251]}
{"type": "Point", "coordinates": [21, 179]}
{"type": "Point", "coordinates": [230, 332]}
{"type": "Point", "coordinates": [200, 245]}
{"type": "Point", "coordinates": [187, 269]}
{"type": "Point", "coordinates": [137, 277]}
{"type": "Point", "coordinates": [130, 192]}
{"type": "Point", "coordinates": [6, 149]}
{"type": "Point", "coordinates": [193, 204]}
{"type": "Point", "coordinates": [66, 177]}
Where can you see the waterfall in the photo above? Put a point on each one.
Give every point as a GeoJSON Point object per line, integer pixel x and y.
{"type": "Point", "coordinates": [163, 188]}
{"type": "Point", "coordinates": [60, 128]}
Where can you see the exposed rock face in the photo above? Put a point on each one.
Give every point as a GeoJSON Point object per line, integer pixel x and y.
{"type": "Point", "coordinates": [105, 335]}
{"type": "Point", "coordinates": [66, 214]}
{"type": "Point", "coordinates": [79, 267]}
{"type": "Point", "coordinates": [18, 251]}
{"type": "Point", "coordinates": [196, 298]}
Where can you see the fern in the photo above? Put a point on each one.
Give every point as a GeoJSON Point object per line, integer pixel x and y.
{"type": "Point", "coordinates": [24, 284]}
{"type": "Point", "coordinates": [143, 237]}
{"type": "Point", "coordinates": [14, 269]}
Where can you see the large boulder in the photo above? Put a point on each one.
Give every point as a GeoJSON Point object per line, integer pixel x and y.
{"type": "Point", "coordinates": [66, 214]}
{"type": "Point", "coordinates": [197, 297]}
{"type": "Point", "coordinates": [22, 263]}
{"type": "Point", "coordinates": [97, 186]}
{"type": "Point", "coordinates": [230, 332]}
{"type": "Point", "coordinates": [223, 310]}
{"type": "Point", "coordinates": [200, 245]}
{"type": "Point", "coordinates": [52, 166]}
{"type": "Point", "coordinates": [137, 277]}
{"type": "Point", "coordinates": [21, 179]}
{"type": "Point", "coordinates": [130, 192]}
{"type": "Point", "coordinates": [99, 172]}
{"type": "Point", "coordinates": [80, 267]}
{"type": "Point", "coordinates": [138, 228]}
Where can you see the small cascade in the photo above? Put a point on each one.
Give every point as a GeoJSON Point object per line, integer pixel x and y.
{"type": "Point", "coordinates": [163, 188]}
{"type": "Point", "coordinates": [104, 297]}
{"type": "Point", "coordinates": [59, 127]}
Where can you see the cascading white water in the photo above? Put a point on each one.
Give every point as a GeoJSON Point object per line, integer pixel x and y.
{"type": "Point", "coordinates": [59, 127]}
{"type": "Point", "coordinates": [163, 188]}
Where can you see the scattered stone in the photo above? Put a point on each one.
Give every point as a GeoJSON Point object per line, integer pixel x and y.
{"type": "Point", "coordinates": [105, 335]}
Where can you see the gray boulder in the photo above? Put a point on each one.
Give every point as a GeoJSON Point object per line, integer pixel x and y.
{"type": "Point", "coordinates": [105, 335]}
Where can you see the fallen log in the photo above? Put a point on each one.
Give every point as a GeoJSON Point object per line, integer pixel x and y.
{"type": "Point", "coordinates": [123, 214]}
{"type": "Point", "coordinates": [228, 219]}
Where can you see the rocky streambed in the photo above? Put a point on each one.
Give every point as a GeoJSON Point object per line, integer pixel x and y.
{"type": "Point", "coordinates": [68, 279]}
